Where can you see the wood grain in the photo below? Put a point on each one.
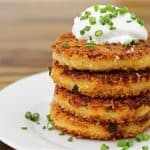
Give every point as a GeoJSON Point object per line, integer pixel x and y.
{"type": "Point", "coordinates": [28, 27]}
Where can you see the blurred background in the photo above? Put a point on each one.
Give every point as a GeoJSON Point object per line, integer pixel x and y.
{"type": "Point", "coordinates": [28, 27]}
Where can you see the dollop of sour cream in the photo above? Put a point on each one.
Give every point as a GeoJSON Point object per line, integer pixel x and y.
{"type": "Point", "coordinates": [108, 24]}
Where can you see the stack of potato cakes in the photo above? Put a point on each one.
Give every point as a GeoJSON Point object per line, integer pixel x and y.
{"type": "Point", "coordinates": [102, 91]}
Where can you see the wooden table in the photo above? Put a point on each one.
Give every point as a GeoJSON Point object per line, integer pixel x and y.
{"type": "Point", "coordinates": [27, 29]}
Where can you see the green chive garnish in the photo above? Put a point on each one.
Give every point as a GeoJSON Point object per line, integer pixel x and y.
{"type": "Point", "coordinates": [91, 45]}
{"type": "Point", "coordinates": [24, 128]}
{"type": "Point", "coordinates": [142, 137]}
{"type": "Point", "coordinates": [145, 148]}
{"type": "Point", "coordinates": [128, 21]}
{"type": "Point", "coordinates": [98, 33]}
{"type": "Point", "coordinates": [103, 10]}
{"type": "Point", "coordinates": [112, 28]}
{"type": "Point", "coordinates": [82, 32]}
{"type": "Point", "coordinates": [87, 13]}
{"type": "Point", "coordinates": [123, 143]}
{"type": "Point", "coordinates": [83, 17]}
{"type": "Point", "coordinates": [44, 127]}
{"type": "Point", "coordinates": [87, 28]}
{"type": "Point", "coordinates": [96, 7]}
{"type": "Point", "coordinates": [49, 118]}
{"type": "Point", "coordinates": [130, 43]}
{"type": "Point", "coordinates": [92, 20]}
{"type": "Point", "coordinates": [65, 45]}
{"type": "Point", "coordinates": [102, 20]}
{"type": "Point", "coordinates": [140, 21]}
{"type": "Point", "coordinates": [70, 139]}
{"type": "Point", "coordinates": [35, 117]}
{"type": "Point", "coordinates": [125, 148]}
{"type": "Point", "coordinates": [28, 115]}
{"type": "Point", "coordinates": [123, 11]}
{"type": "Point", "coordinates": [32, 117]}
{"type": "Point", "coordinates": [110, 8]}
{"type": "Point", "coordinates": [133, 16]}
{"type": "Point", "coordinates": [51, 128]}
{"type": "Point", "coordinates": [110, 23]}
{"type": "Point", "coordinates": [104, 147]}
{"type": "Point", "coordinates": [90, 38]}
{"type": "Point", "coordinates": [61, 133]}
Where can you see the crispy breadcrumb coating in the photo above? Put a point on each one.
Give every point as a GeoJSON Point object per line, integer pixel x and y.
{"type": "Point", "coordinates": [104, 57]}
{"type": "Point", "coordinates": [81, 128]}
{"type": "Point", "coordinates": [96, 84]}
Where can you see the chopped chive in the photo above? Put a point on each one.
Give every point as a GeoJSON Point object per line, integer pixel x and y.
{"type": "Point", "coordinates": [87, 28]}
{"type": "Point", "coordinates": [91, 45]}
{"type": "Point", "coordinates": [24, 128]}
{"type": "Point", "coordinates": [112, 28]}
{"type": "Point", "coordinates": [70, 139]}
{"type": "Point", "coordinates": [61, 133]}
{"type": "Point", "coordinates": [140, 21]}
{"type": "Point", "coordinates": [96, 7]}
{"type": "Point", "coordinates": [90, 38]}
{"type": "Point", "coordinates": [125, 148]}
{"type": "Point", "coordinates": [102, 20]}
{"type": "Point", "coordinates": [123, 11]}
{"type": "Point", "coordinates": [110, 8]}
{"type": "Point", "coordinates": [87, 13]}
{"type": "Point", "coordinates": [82, 32]}
{"type": "Point", "coordinates": [28, 115]}
{"type": "Point", "coordinates": [35, 117]}
{"type": "Point", "coordinates": [142, 137]}
{"type": "Point", "coordinates": [123, 143]}
{"type": "Point", "coordinates": [98, 33]}
{"type": "Point", "coordinates": [145, 148]}
{"type": "Point", "coordinates": [110, 23]}
{"type": "Point", "coordinates": [133, 16]}
{"type": "Point", "coordinates": [128, 21]}
{"type": "Point", "coordinates": [92, 20]}
{"type": "Point", "coordinates": [65, 45]}
{"type": "Point", "coordinates": [103, 10]}
{"type": "Point", "coordinates": [44, 127]}
{"type": "Point", "coordinates": [104, 147]}
{"type": "Point", "coordinates": [32, 117]}
{"type": "Point", "coordinates": [130, 43]}
{"type": "Point", "coordinates": [49, 118]}
{"type": "Point", "coordinates": [51, 128]}
{"type": "Point", "coordinates": [114, 14]}
{"type": "Point", "coordinates": [83, 17]}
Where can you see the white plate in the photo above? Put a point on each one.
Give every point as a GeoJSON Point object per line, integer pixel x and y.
{"type": "Point", "coordinates": [35, 94]}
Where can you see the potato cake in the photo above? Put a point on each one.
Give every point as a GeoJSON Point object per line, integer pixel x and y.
{"type": "Point", "coordinates": [105, 57]}
{"type": "Point", "coordinates": [96, 84]}
{"type": "Point", "coordinates": [85, 129]}
{"type": "Point", "coordinates": [104, 110]}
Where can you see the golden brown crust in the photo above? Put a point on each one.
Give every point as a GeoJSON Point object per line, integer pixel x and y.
{"type": "Point", "coordinates": [96, 84]}
{"type": "Point", "coordinates": [104, 110]}
{"type": "Point", "coordinates": [84, 129]}
{"type": "Point", "coordinates": [103, 57]}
